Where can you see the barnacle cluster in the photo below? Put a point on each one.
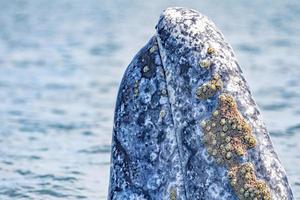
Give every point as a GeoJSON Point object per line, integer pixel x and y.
{"type": "Point", "coordinates": [209, 89]}
{"type": "Point", "coordinates": [246, 185]}
{"type": "Point", "coordinates": [206, 63]}
{"type": "Point", "coordinates": [227, 136]}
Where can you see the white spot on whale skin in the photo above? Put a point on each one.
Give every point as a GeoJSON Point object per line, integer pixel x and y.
{"type": "Point", "coordinates": [207, 157]}
{"type": "Point", "coordinates": [153, 156]}
{"type": "Point", "coordinates": [163, 100]}
{"type": "Point", "coordinates": [214, 191]}
{"type": "Point", "coordinates": [128, 195]}
{"type": "Point", "coordinates": [147, 89]}
{"type": "Point", "coordinates": [154, 182]}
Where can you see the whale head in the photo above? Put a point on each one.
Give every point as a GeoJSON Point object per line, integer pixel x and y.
{"type": "Point", "coordinates": [186, 125]}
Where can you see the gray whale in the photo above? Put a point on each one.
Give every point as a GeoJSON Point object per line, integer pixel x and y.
{"type": "Point", "coordinates": [186, 125]}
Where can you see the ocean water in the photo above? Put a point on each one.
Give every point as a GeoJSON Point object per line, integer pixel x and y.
{"type": "Point", "coordinates": [61, 62]}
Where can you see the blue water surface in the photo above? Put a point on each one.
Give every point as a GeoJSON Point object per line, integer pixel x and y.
{"type": "Point", "coordinates": [61, 62]}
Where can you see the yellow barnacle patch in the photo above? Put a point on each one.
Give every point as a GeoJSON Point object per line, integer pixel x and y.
{"type": "Point", "coordinates": [247, 186]}
{"type": "Point", "coordinates": [210, 88]}
{"type": "Point", "coordinates": [227, 137]}
{"type": "Point", "coordinates": [227, 132]}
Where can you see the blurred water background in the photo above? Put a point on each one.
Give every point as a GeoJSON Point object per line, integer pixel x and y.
{"type": "Point", "coordinates": [61, 62]}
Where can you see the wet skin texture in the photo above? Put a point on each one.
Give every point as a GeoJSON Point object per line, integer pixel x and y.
{"type": "Point", "coordinates": [160, 149]}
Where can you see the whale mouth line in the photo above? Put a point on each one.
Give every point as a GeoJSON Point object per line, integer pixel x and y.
{"type": "Point", "coordinates": [176, 135]}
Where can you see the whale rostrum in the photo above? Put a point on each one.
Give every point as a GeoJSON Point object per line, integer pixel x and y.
{"type": "Point", "coordinates": [186, 126]}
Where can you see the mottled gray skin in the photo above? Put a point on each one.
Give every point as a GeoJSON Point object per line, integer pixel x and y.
{"type": "Point", "coordinates": [145, 158]}
{"type": "Point", "coordinates": [157, 148]}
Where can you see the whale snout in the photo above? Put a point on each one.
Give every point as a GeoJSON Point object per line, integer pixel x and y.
{"type": "Point", "coordinates": [178, 27]}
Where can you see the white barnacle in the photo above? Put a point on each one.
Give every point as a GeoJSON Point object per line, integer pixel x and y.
{"type": "Point", "coordinates": [152, 49]}
{"type": "Point", "coordinates": [203, 124]}
{"type": "Point", "coordinates": [205, 63]}
{"type": "Point", "coordinates": [146, 69]}
{"type": "Point", "coordinates": [215, 113]}
{"type": "Point", "coordinates": [162, 113]}
{"type": "Point", "coordinates": [222, 121]}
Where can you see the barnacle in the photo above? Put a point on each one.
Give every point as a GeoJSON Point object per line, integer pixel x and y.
{"type": "Point", "coordinates": [173, 194]}
{"type": "Point", "coordinates": [205, 63]}
{"type": "Point", "coordinates": [215, 113]}
{"type": "Point", "coordinates": [210, 88]}
{"type": "Point", "coordinates": [162, 113]}
{"type": "Point", "coordinates": [164, 92]}
{"type": "Point", "coordinates": [153, 48]}
{"type": "Point", "coordinates": [210, 50]}
{"type": "Point", "coordinates": [240, 151]}
{"type": "Point", "coordinates": [146, 69]}
{"type": "Point", "coordinates": [228, 155]}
